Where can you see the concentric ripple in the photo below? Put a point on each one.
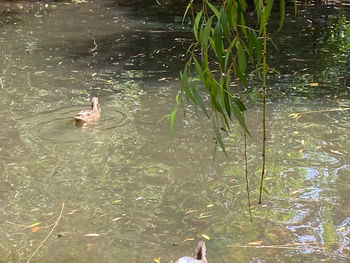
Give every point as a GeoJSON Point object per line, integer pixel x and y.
{"type": "Point", "coordinates": [58, 126]}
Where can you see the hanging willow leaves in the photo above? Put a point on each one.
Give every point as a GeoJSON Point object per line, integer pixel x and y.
{"type": "Point", "coordinates": [225, 50]}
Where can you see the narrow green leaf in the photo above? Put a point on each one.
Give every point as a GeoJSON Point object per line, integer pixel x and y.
{"type": "Point", "coordinates": [282, 13]}
{"type": "Point", "coordinates": [196, 23]}
{"type": "Point", "coordinates": [242, 62]}
{"type": "Point", "coordinates": [243, 4]}
{"type": "Point", "coordinates": [226, 95]}
{"type": "Point", "coordinates": [199, 69]}
{"type": "Point", "coordinates": [199, 101]}
{"type": "Point", "coordinates": [240, 76]}
{"type": "Point", "coordinates": [172, 118]}
{"type": "Point", "coordinates": [217, 107]}
{"type": "Point", "coordinates": [227, 104]}
{"type": "Point", "coordinates": [241, 21]}
{"type": "Point", "coordinates": [218, 43]}
{"type": "Point", "coordinates": [267, 9]}
{"type": "Point", "coordinates": [228, 51]}
{"type": "Point", "coordinates": [232, 14]}
{"type": "Point", "coordinates": [205, 33]}
{"type": "Point", "coordinates": [197, 19]}
{"type": "Point", "coordinates": [258, 10]}
{"type": "Point", "coordinates": [258, 48]}
{"type": "Point", "coordinates": [185, 88]}
{"type": "Point", "coordinates": [218, 137]}
{"type": "Point", "coordinates": [240, 104]}
{"type": "Point", "coordinates": [223, 22]}
{"type": "Point", "coordinates": [177, 98]}
{"type": "Point", "coordinates": [214, 9]}
{"type": "Point", "coordinates": [240, 118]}
{"type": "Point", "coordinates": [251, 45]}
{"type": "Point", "coordinates": [187, 8]}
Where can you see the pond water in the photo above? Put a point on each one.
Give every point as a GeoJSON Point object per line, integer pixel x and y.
{"type": "Point", "coordinates": [132, 190]}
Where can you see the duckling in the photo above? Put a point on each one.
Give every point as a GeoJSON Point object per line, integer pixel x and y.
{"type": "Point", "coordinates": [86, 116]}
{"type": "Point", "coordinates": [200, 255]}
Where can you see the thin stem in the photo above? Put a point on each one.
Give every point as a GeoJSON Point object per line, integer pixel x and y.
{"type": "Point", "coordinates": [246, 176]}
{"type": "Point", "coordinates": [264, 105]}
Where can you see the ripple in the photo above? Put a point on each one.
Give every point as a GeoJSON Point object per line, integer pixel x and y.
{"type": "Point", "coordinates": [58, 126]}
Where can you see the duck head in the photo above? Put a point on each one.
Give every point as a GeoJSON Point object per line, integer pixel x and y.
{"type": "Point", "coordinates": [201, 250]}
{"type": "Point", "coordinates": [95, 106]}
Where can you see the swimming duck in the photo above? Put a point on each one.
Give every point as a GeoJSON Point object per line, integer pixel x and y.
{"type": "Point", "coordinates": [86, 116]}
{"type": "Point", "coordinates": [318, 22]}
{"type": "Point", "coordinates": [200, 255]}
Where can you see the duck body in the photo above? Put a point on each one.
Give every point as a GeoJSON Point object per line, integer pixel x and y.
{"type": "Point", "coordinates": [200, 255]}
{"type": "Point", "coordinates": [189, 260]}
{"type": "Point", "coordinates": [88, 116]}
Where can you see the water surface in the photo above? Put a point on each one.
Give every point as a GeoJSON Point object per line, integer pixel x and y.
{"type": "Point", "coordinates": [133, 191]}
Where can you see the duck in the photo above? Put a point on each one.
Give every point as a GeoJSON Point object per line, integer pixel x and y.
{"type": "Point", "coordinates": [88, 116]}
{"type": "Point", "coordinates": [200, 255]}
{"type": "Point", "coordinates": [318, 22]}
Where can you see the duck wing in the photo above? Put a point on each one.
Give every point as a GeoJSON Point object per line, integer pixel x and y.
{"type": "Point", "coordinates": [83, 115]}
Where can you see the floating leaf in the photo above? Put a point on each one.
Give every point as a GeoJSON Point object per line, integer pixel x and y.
{"type": "Point", "coordinates": [204, 216]}
{"type": "Point", "coordinates": [255, 243]}
{"type": "Point", "coordinates": [157, 260]}
{"type": "Point", "coordinates": [190, 211]}
{"type": "Point", "coordinates": [91, 235]}
{"type": "Point", "coordinates": [35, 229]}
{"type": "Point", "coordinates": [32, 225]}
{"type": "Point", "coordinates": [266, 191]}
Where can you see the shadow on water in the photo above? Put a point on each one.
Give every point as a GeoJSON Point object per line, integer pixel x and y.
{"type": "Point", "coordinates": [133, 191]}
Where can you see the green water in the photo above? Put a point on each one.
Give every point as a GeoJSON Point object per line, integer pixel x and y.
{"type": "Point", "coordinates": [132, 190]}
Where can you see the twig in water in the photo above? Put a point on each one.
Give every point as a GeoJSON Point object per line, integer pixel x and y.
{"type": "Point", "coordinates": [42, 243]}
{"type": "Point", "coordinates": [95, 44]}
{"type": "Point", "coordinates": [297, 115]}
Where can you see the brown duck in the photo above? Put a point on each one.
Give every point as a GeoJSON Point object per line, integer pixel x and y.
{"type": "Point", "coordinates": [200, 255]}
{"type": "Point", "coordinates": [88, 116]}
